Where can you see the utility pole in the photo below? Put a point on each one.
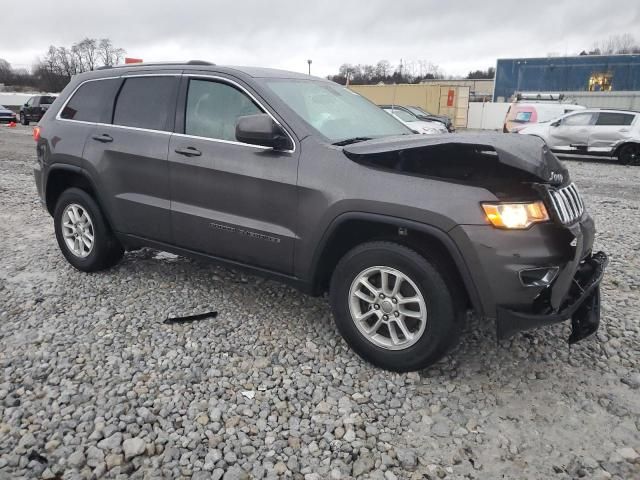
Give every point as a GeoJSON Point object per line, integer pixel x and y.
{"type": "Point", "coordinates": [309, 62]}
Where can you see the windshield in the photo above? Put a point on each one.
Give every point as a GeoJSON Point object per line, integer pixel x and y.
{"type": "Point", "coordinates": [419, 111]}
{"type": "Point", "coordinates": [335, 111]}
{"type": "Point", "coordinates": [402, 115]}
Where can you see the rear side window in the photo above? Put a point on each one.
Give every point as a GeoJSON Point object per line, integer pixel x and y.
{"type": "Point", "coordinates": [146, 102]}
{"type": "Point", "coordinates": [213, 109]}
{"type": "Point", "coordinates": [92, 102]}
{"type": "Point", "coordinates": [47, 100]}
{"type": "Point", "coordinates": [618, 119]}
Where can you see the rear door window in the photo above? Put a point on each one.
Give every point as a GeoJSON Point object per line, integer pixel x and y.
{"type": "Point", "coordinates": [615, 119]}
{"type": "Point", "coordinates": [92, 102]}
{"type": "Point", "coordinates": [146, 102]}
{"type": "Point", "coordinates": [213, 108]}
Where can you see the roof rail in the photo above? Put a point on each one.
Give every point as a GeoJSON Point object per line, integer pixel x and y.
{"type": "Point", "coordinates": [199, 62]}
{"type": "Point", "coordinates": [147, 64]}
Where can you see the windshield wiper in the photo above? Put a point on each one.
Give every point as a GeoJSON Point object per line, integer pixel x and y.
{"type": "Point", "coordinates": [349, 141]}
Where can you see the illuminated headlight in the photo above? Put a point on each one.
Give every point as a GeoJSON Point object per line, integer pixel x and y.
{"type": "Point", "coordinates": [515, 215]}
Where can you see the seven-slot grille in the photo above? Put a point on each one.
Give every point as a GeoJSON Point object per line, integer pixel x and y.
{"type": "Point", "coordinates": [567, 203]}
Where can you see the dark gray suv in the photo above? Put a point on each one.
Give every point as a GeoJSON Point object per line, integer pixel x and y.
{"type": "Point", "coordinates": [304, 180]}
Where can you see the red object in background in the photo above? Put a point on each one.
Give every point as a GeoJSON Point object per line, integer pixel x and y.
{"type": "Point", "coordinates": [11, 124]}
{"type": "Point", "coordinates": [132, 60]}
{"type": "Point", "coordinates": [36, 133]}
{"type": "Point", "coordinates": [450, 96]}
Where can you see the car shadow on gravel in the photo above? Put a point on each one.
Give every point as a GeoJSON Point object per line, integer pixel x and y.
{"type": "Point", "coordinates": [477, 351]}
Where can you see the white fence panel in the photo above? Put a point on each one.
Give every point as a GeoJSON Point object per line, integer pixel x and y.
{"type": "Point", "coordinates": [487, 116]}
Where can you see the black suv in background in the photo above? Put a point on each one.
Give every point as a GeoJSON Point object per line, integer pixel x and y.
{"type": "Point", "coordinates": [35, 108]}
{"type": "Point", "coordinates": [277, 172]}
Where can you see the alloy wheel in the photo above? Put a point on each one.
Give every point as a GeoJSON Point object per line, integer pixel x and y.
{"type": "Point", "coordinates": [77, 230]}
{"type": "Point", "coordinates": [387, 308]}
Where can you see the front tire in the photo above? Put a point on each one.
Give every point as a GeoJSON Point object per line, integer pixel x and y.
{"type": "Point", "coordinates": [394, 308]}
{"type": "Point", "coordinates": [23, 119]}
{"type": "Point", "coordinates": [83, 234]}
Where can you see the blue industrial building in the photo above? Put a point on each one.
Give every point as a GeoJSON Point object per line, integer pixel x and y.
{"type": "Point", "coordinates": [566, 74]}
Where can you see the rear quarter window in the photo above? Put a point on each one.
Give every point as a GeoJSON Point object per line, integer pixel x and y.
{"type": "Point", "coordinates": [146, 102]}
{"type": "Point", "coordinates": [523, 117]}
{"type": "Point", "coordinates": [92, 102]}
{"type": "Point", "coordinates": [615, 119]}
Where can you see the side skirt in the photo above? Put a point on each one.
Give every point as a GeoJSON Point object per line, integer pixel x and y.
{"type": "Point", "coordinates": [134, 241]}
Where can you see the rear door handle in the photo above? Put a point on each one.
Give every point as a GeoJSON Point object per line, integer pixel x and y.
{"type": "Point", "coordinates": [189, 152]}
{"type": "Point", "coordinates": [104, 138]}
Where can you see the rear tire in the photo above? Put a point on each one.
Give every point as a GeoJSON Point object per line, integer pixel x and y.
{"type": "Point", "coordinates": [424, 339]}
{"type": "Point", "coordinates": [23, 119]}
{"type": "Point", "coordinates": [629, 154]}
{"type": "Point", "coordinates": [83, 234]}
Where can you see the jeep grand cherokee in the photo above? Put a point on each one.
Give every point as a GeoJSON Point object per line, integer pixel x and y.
{"type": "Point", "coordinates": [306, 181]}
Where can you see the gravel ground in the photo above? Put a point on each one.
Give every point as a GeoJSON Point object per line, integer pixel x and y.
{"type": "Point", "coordinates": [94, 384]}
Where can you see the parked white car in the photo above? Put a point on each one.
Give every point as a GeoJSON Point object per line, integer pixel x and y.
{"type": "Point", "coordinates": [414, 123]}
{"type": "Point", "coordinates": [613, 133]}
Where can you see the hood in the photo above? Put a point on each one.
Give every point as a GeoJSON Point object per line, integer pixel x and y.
{"type": "Point", "coordinates": [477, 151]}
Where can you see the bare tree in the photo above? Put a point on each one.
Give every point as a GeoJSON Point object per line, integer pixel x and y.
{"type": "Point", "coordinates": [5, 71]}
{"type": "Point", "coordinates": [86, 54]}
{"type": "Point", "coordinates": [59, 64]}
{"type": "Point", "coordinates": [109, 55]}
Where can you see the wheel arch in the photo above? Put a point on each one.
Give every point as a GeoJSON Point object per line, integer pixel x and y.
{"type": "Point", "coordinates": [351, 229]}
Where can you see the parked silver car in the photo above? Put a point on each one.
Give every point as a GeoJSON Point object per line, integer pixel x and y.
{"type": "Point", "coordinates": [613, 133]}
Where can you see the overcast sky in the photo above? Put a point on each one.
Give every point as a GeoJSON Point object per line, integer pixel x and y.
{"type": "Point", "coordinates": [456, 35]}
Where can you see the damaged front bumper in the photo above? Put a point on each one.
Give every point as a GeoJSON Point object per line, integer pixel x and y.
{"type": "Point", "coordinates": [582, 305]}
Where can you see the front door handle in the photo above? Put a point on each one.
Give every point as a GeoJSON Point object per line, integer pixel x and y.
{"type": "Point", "coordinates": [104, 138]}
{"type": "Point", "coordinates": [189, 152]}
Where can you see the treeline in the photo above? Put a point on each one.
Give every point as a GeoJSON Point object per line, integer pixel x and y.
{"type": "Point", "coordinates": [383, 71]}
{"type": "Point", "coordinates": [54, 69]}
{"type": "Point", "coordinates": [405, 72]}
{"type": "Point", "coordinates": [614, 45]}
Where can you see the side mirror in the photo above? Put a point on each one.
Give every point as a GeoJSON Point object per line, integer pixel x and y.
{"type": "Point", "coordinates": [261, 130]}
{"type": "Point", "coordinates": [556, 123]}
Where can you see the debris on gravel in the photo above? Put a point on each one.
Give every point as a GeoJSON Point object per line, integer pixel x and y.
{"type": "Point", "coordinates": [94, 385]}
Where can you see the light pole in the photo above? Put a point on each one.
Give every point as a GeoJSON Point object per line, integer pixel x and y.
{"type": "Point", "coordinates": [309, 62]}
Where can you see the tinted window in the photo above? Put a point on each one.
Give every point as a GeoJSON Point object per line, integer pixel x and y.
{"type": "Point", "coordinates": [213, 109]}
{"type": "Point", "coordinates": [92, 102]}
{"type": "Point", "coordinates": [145, 102]}
{"type": "Point", "coordinates": [578, 119]}
{"type": "Point", "coordinates": [610, 118]}
{"type": "Point", "coordinates": [47, 100]}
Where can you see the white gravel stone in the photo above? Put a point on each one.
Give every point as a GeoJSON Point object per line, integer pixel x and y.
{"type": "Point", "coordinates": [133, 447]}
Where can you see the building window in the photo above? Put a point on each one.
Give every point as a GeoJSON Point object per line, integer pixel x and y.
{"type": "Point", "coordinates": [600, 82]}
